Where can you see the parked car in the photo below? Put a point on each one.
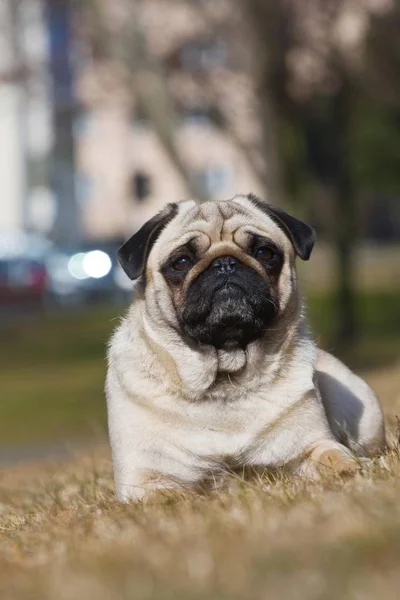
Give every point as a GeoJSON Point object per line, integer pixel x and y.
{"type": "Point", "coordinates": [23, 272]}
{"type": "Point", "coordinates": [34, 272]}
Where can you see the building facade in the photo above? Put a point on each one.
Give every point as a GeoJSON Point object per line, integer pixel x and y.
{"type": "Point", "coordinates": [123, 172]}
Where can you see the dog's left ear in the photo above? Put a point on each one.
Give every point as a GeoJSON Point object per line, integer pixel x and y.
{"type": "Point", "coordinates": [133, 255]}
{"type": "Point", "coordinates": [300, 234]}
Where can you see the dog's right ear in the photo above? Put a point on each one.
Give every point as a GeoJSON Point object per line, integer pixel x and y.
{"type": "Point", "coordinates": [133, 255]}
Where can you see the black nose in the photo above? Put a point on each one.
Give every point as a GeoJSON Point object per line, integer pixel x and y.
{"type": "Point", "coordinates": [225, 264]}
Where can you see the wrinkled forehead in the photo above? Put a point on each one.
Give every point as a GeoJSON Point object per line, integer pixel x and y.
{"type": "Point", "coordinates": [213, 222]}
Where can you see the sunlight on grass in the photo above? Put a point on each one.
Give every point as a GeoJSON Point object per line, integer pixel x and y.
{"type": "Point", "coordinates": [64, 536]}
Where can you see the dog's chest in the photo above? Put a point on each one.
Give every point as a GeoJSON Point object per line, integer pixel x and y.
{"type": "Point", "coordinates": [226, 427]}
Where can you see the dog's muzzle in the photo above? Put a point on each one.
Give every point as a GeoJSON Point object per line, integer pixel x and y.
{"type": "Point", "coordinates": [228, 305]}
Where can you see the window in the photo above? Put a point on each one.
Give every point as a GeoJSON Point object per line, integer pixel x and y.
{"type": "Point", "coordinates": [141, 184]}
{"type": "Point", "coordinates": [202, 115]}
{"type": "Point", "coordinates": [139, 118]}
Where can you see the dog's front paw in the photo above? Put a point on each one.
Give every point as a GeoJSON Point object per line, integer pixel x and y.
{"type": "Point", "coordinates": [329, 458]}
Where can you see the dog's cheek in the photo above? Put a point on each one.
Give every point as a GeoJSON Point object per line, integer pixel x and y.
{"type": "Point", "coordinates": [178, 297]}
{"type": "Point", "coordinates": [177, 293]}
{"type": "Point", "coordinates": [286, 285]}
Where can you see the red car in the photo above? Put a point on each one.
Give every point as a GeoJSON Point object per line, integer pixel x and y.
{"type": "Point", "coordinates": [23, 272]}
{"type": "Point", "coordinates": [22, 281]}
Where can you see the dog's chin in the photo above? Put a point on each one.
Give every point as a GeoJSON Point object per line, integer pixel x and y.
{"type": "Point", "coordinates": [233, 320]}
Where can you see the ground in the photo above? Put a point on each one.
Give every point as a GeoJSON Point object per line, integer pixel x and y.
{"type": "Point", "coordinates": [63, 536]}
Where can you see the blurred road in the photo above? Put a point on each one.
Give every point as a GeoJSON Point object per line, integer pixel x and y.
{"type": "Point", "coordinates": [38, 452]}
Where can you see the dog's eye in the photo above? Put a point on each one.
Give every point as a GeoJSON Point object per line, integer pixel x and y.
{"type": "Point", "coordinates": [182, 263]}
{"type": "Point", "coordinates": [264, 253]}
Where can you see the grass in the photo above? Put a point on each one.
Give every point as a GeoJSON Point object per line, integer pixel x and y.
{"type": "Point", "coordinates": [52, 372]}
{"type": "Point", "coordinates": [52, 368]}
{"type": "Point", "coordinates": [63, 536]}
{"type": "Point", "coordinates": [378, 321]}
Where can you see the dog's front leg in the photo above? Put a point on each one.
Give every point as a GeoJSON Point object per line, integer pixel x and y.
{"type": "Point", "coordinates": [140, 484]}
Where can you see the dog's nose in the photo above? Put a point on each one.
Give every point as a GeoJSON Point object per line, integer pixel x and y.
{"type": "Point", "coordinates": [225, 264]}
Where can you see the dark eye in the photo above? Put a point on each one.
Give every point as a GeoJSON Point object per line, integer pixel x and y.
{"type": "Point", "coordinates": [264, 253]}
{"type": "Point", "coordinates": [182, 263]}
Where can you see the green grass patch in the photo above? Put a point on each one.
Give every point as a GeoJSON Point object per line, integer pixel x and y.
{"type": "Point", "coordinates": [52, 376]}
{"type": "Point", "coordinates": [57, 338]}
{"type": "Point", "coordinates": [52, 403]}
{"type": "Point", "coordinates": [378, 314]}
{"type": "Point", "coordinates": [378, 326]}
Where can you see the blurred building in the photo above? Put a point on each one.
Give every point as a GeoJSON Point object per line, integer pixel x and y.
{"type": "Point", "coordinates": [25, 117]}
{"type": "Point", "coordinates": [122, 171]}
{"type": "Point", "coordinates": [79, 157]}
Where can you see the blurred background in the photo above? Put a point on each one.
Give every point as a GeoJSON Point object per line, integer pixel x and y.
{"type": "Point", "coordinates": [111, 108]}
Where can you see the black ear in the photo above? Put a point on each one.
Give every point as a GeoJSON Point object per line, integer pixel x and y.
{"type": "Point", "coordinates": [133, 255]}
{"type": "Point", "coordinates": [300, 234]}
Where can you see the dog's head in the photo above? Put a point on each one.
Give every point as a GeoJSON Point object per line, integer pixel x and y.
{"type": "Point", "coordinates": [222, 272]}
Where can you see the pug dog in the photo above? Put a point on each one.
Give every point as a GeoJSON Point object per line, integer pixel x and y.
{"type": "Point", "coordinates": [213, 368]}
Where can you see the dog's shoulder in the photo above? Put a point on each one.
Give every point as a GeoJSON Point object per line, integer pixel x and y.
{"type": "Point", "coordinates": [125, 334]}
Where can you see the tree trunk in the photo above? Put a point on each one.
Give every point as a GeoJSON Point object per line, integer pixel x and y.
{"type": "Point", "coordinates": [346, 223]}
{"type": "Point", "coordinates": [269, 21]}
{"type": "Point", "coordinates": [345, 226]}
{"type": "Point", "coordinates": [66, 228]}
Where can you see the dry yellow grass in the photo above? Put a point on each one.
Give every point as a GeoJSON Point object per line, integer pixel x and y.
{"type": "Point", "coordinates": [63, 536]}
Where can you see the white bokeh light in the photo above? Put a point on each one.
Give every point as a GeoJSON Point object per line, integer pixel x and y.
{"type": "Point", "coordinates": [75, 266]}
{"type": "Point", "coordinates": [96, 264]}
